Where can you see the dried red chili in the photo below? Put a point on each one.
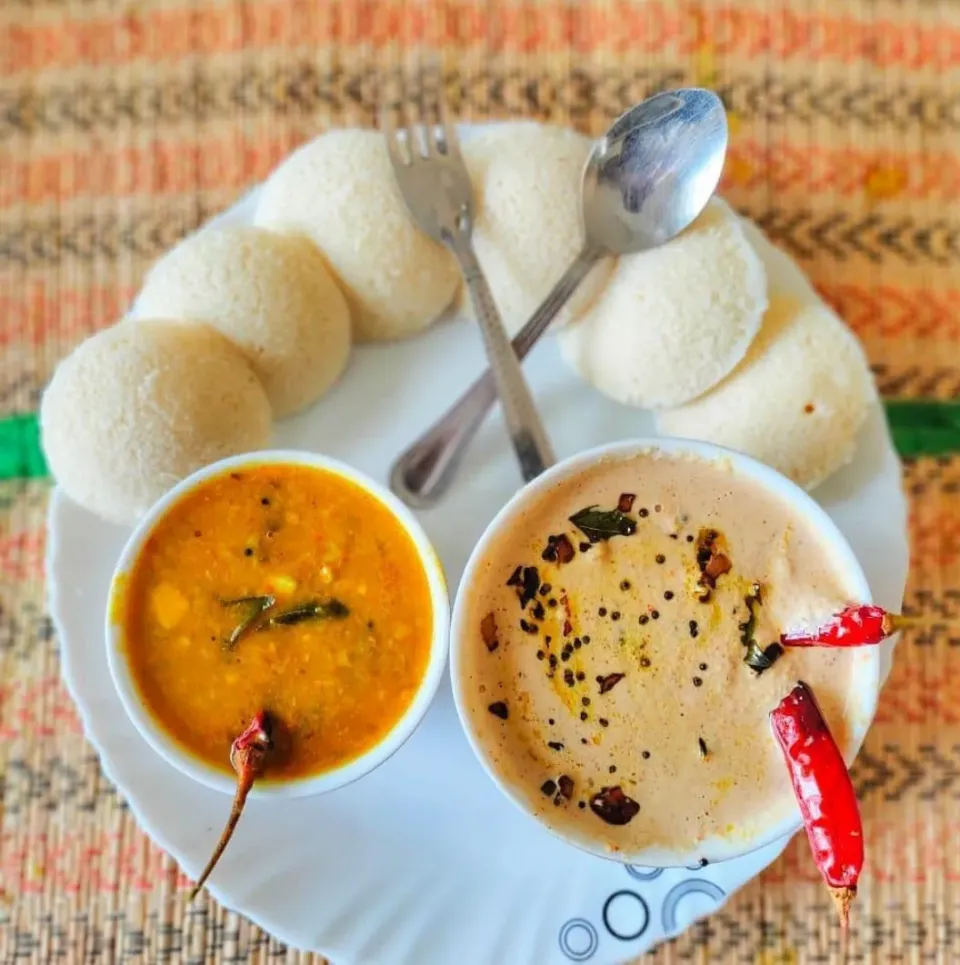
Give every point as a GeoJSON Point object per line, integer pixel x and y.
{"type": "Point", "coordinates": [824, 792]}
{"type": "Point", "coordinates": [248, 757]}
{"type": "Point", "coordinates": [856, 626]}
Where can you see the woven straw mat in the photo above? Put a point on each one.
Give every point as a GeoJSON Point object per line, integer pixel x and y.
{"type": "Point", "coordinates": [124, 125]}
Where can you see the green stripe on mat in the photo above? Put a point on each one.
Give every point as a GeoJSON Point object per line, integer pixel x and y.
{"type": "Point", "coordinates": [20, 453]}
{"type": "Point", "coordinates": [921, 427]}
{"type": "Point", "coordinates": [924, 427]}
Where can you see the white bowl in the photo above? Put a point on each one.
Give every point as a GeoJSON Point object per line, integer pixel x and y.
{"type": "Point", "coordinates": [192, 766]}
{"type": "Point", "coordinates": [867, 676]}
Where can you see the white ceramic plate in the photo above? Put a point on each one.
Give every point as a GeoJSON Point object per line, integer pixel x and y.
{"type": "Point", "coordinates": [424, 862]}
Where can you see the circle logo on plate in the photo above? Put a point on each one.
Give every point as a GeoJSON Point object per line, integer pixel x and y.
{"type": "Point", "coordinates": [692, 886]}
{"type": "Point", "coordinates": [578, 939]}
{"type": "Point", "coordinates": [626, 915]}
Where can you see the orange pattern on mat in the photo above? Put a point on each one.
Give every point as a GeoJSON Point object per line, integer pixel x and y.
{"type": "Point", "coordinates": [48, 311]}
{"type": "Point", "coordinates": [109, 862]}
{"type": "Point", "coordinates": [115, 161]}
{"type": "Point", "coordinates": [173, 166]}
{"type": "Point", "coordinates": [166, 167]}
{"type": "Point", "coordinates": [877, 175]}
{"type": "Point", "coordinates": [21, 555]}
{"type": "Point", "coordinates": [887, 311]}
{"type": "Point", "coordinates": [30, 710]}
{"type": "Point", "coordinates": [779, 32]}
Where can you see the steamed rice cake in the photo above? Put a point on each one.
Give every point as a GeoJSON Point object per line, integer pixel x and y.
{"type": "Point", "coordinates": [527, 227]}
{"type": "Point", "coordinates": [339, 191]}
{"type": "Point", "coordinates": [673, 321]}
{"type": "Point", "coordinates": [271, 295]}
{"type": "Point", "coordinates": [137, 407]}
{"type": "Point", "coordinates": [796, 402]}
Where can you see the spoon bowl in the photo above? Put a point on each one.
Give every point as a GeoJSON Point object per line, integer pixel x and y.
{"type": "Point", "coordinates": [646, 180]}
{"type": "Point", "coordinates": [649, 177]}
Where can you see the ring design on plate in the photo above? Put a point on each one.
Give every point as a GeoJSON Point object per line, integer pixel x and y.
{"type": "Point", "coordinates": [639, 919]}
{"type": "Point", "coordinates": [692, 886]}
{"type": "Point", "coordinates": [571, 943]}
{"type": "Point", "coordinates": [643, 874]}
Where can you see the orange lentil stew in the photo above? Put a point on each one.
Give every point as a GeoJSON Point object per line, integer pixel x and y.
{"type": "Point", "coordinates": [284, 588]}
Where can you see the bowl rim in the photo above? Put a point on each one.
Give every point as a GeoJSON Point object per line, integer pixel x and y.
{"type": "Point", "coordinates": [193, 767]}
{"type": "Point", "coordinates": [866, 684]}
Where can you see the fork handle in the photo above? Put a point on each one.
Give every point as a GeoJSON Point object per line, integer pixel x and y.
{"type": "Point", "coordinates": [527, 433]}
{"type": "Point", "coordinates": [422, 473]}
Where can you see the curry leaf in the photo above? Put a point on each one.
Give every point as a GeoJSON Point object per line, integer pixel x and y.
{"type": "Point", "coordinates": [255, 607]}
{"type": "Point", "coordinates": [330, 610]}
{"type": "Point", "coordinates": [760, 660]}
{"type": "Point", "coordinates": [757, 658]}
{"type": "Point", "coordinates": [601, 524]}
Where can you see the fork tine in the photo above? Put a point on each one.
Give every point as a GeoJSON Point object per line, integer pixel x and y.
{"type": "Point", "coordinates": [431, 104]}
{"type": "Point", "coordinates": [410, 120]}
{"type": "Point", "coordinates": [417, 142]}
{"type": "Point", "coordinates": [450, 137]}
{"type": "Point", "coordinates": [392, 136]}
{"type": "Point", "coordinates": [446, 130]}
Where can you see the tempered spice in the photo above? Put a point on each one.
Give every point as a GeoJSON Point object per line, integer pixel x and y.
{"type": "Point", "coordinates": [608, 682]}
{"type": "Point", "coordinates": [499, 709]}
{"type": "Point", "coordinates": [611, 805]}
{"type": "Point", "coordinates": [559, 549]}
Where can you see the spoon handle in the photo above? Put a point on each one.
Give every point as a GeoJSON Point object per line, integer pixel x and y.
{"type": "Point", "coordinates": [527, 433]}
{"type": "Point", "coordinates": [423, 472]}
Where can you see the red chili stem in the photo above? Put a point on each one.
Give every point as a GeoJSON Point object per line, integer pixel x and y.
{"type": "Point", "coordinates": [248, 757]}
{"type": "Point", "coordinates": [824, 792]}
{"type": "Point", "coordinates": [856, 626]}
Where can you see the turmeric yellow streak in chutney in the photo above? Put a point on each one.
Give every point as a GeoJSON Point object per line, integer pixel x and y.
{"type": "Point", "coordinates": [323, 594]}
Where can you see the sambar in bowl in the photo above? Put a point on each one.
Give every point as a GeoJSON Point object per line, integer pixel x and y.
{"type": "Point", "coordinates": [285, 584]}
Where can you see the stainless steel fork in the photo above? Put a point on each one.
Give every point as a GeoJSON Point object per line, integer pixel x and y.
{"type": "Point", "coordinates": [435, 187]}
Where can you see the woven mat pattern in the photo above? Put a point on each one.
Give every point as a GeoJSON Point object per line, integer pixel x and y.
{"type": "Point", "coordinates": [126, 123]}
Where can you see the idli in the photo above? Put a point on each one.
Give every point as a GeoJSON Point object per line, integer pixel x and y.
{"type": "Point", "coordinates": [137, 407]}
{"type": "Point", "coordinates": [339, 191]}
{"type": "Point", "coordinates": [672, 322]}
{"type": "Point", "coordinates": [271, 295]}
{"type": "Point", "coordinates": [527, 230]}
{"type": "Point", "coordinates": [797, 400]}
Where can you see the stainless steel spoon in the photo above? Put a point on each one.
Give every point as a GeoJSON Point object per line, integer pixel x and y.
{"type": "Point", "coordinates": [645, 181]}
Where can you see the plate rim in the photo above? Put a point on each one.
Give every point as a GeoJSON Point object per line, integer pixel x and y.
{"type": "Point", "coordinates": [92, 728]}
